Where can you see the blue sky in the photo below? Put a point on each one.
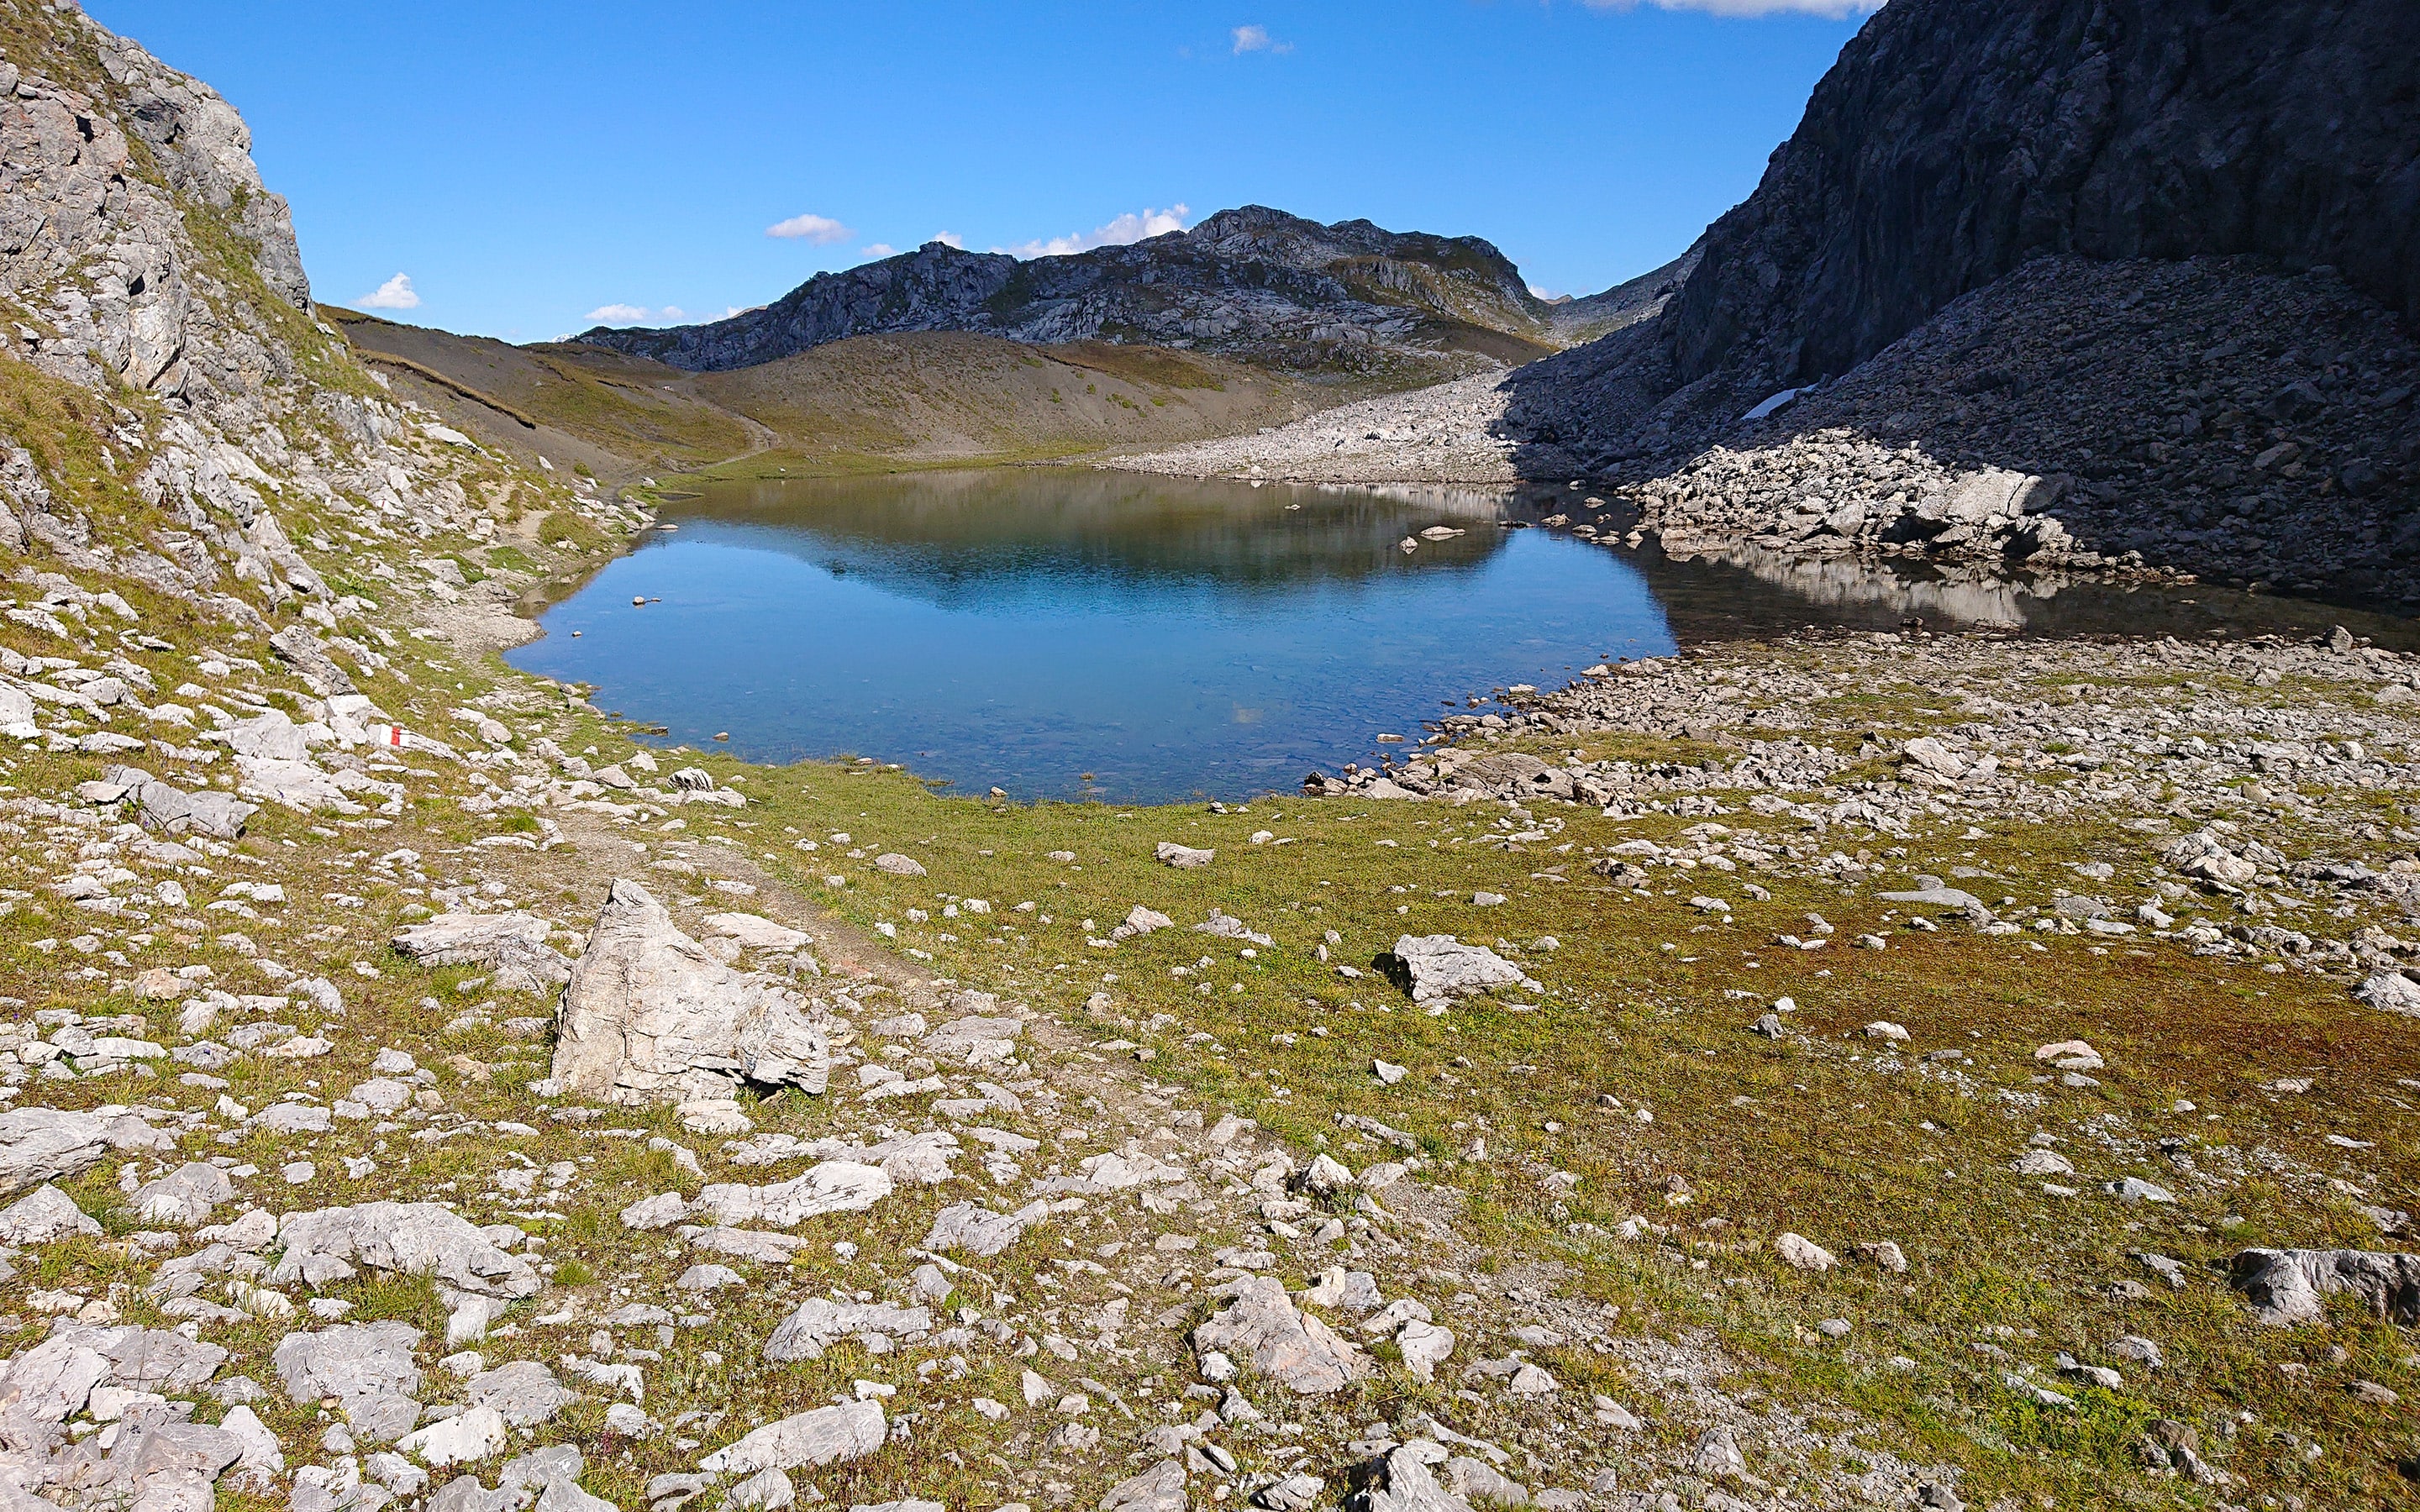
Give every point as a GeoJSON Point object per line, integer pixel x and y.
{"type": "Point", "coordinates": [525, 165]}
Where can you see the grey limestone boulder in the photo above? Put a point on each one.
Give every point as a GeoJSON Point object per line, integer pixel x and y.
{"type": "Point", "coordinates": [1262, 1327]}
{"type": "Point", "coordinates": [819, 1323]}
{"type": "Point", "coordinates": [649, 1016]}
{"type": "Point", "coordinates": [469, 939]}
{"type": "Point", "coordinates": [366, 1367]}
{"type": "Point", "coordinates": [158, 1463]}
{"type": "Point", "coordinates": [38, 1145]}
{"type": "Point", "coordinates": [1438, 968]}
{"type": "Point", "coordinates": [41, 1216]}
{"type": "Point", "coordinates": [1404, 1480]}
{"type": "Point", "coordinates": [184, 1196]}
{"type": "Point", "coordinates": [2287, 1287]}
{"type": "Point", "coordinates": [829, 1186]}
{"type": "Point", "coordinates": [826, 1435]}
{"type": "Point", "coordinates": [976, 1230]}
{"type": "Point", "coordinates": [1161, 1489]}
{"type": "Point", "coordinates": [524, 1393]}
{"type": "Point", "coordinates": [412, 1237]}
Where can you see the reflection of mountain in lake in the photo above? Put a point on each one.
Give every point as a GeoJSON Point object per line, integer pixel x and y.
{"type": "Point", "coordinates": [1846, 590]}
{"type": "Point", "coordinates": [946, 537]}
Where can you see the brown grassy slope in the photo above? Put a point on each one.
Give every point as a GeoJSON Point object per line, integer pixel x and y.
{"type": "Point", "coordinates": [873, 401]}
{"type": "Point", "coordinates": [614, 414]}
{"type": "Point", "coordinates": [948, 396]}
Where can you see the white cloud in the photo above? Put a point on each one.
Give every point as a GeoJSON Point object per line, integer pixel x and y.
{"type": "Point", "coordinates": [949, 239]}
{"type": "Point", "coordinates": [396, 293]}
{"type": "Point", "coordinates": [1257, 39]}
{"type": "Point", "coordinates": [639, 315]}
{"type": "Point", "coordinates": [814, 230]}
{"type": "Point", "coordinates": [880, 249]}
{"type": "Point", "coordinates": [1131, 226]}
{"type": "Point", "coordinates": [1835, 9]}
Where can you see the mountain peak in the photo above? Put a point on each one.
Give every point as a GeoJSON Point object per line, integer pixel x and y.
{"type": "Point", "coordinates": [1252, 282]}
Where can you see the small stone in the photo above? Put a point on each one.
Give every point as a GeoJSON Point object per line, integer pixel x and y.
{"type": "Point", "coordinates": [1884, 1253]}
{"type": "Point", "coordinates": [1717, 1454]}
{"type": "Point", "coordinates": [1532, 1380]}
{"type": "Point", "coordinates": [474, 1434]}
{"type": "Point", "coordinates": [2135, 1189]}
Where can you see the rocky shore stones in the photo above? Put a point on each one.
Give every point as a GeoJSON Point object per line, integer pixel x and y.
{"type": "Point", "coordinates": [1262, 1327]}
{"type": "Point", "coordinates": [826, 1435]}
{"type": "Point", "coordinates": [406, 1238]}
{"type": "Point", "coordinates": [366, 1367]}
{"type": "Point", "coordinates": [1184, 858]}
{"type": "Point", "coordinates": [649, 1016]}
{"type": "Point", "coordinates": [38, 1145]}
{"type": "Point", "coordinates": [2285, 1287]}
{"type": "Point", "coordinates": [1438, 968]}
{"type": "Point", "coordinates": [894, 864]}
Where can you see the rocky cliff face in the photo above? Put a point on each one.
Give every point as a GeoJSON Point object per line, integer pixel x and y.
{"type": "Point", "coordinates": [1955, 139]}
{"type": "Point", "coordinates": [1254, 281]}
{"type": "Point", "coordinates": [93, 191]}
{"type": "Point", "coordinates": [178, 419]}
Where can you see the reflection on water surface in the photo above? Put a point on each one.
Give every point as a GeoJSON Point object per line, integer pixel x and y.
{"type": "Point", "coordinates": [1058, 634]}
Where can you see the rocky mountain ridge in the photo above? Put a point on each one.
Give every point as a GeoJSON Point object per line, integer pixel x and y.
{"type": "Point", "coordinates": [1253, 282]}
{"type": "Point", "coordinates": [2150, 258]}
{"type": "Point", "coordinates": [1956, 139]}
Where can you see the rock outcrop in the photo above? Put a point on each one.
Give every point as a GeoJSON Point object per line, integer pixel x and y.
{"type": "Point", "coordinates": [1261, 1328]}
{"type": "Point", "coordinates": [402, 1238]}
{"type": "Point", "coordinates": [650, 1015]}
{"type": "Point", "coordinates": [2118, 285]}
{"type": "Point", "coordinates": [1956, 139]}
{"type": "Point", "coordinates": [40, 1145]}
{"type": "Point", "coordinates": [2287, 1287]}
{"type": "Point", "coordinates": [1438, 968]}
